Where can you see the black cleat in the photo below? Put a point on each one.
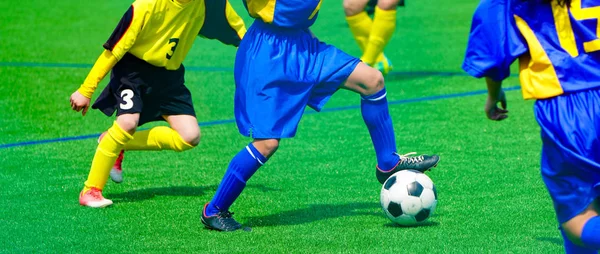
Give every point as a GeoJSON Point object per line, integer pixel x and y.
{"type": "Point", "coordinates": [222, 221]}
{"type": "Point", "coordinates": [420, 163]}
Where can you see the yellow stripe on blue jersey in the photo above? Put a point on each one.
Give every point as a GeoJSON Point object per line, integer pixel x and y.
{"type": "Point", "coordinates": [285, 13]}
{"type": "Point", "coordinates": [537, 74]}
{"type": "Point", "coordinates": [161, 32]}
{"type": "Point", "coordinates": [557, 46]}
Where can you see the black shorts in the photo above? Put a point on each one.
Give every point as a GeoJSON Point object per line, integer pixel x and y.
{"type": "Point", "coordinates": [138, 87]}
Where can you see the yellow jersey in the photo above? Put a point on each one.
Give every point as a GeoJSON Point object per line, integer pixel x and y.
{"type": "Point", "coordinates": [161, 32]}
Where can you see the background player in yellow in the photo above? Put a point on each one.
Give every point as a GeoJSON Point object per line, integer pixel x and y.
{"type": "Point", "coordinates": [372, 35]}
{"type": "Point", "coordinates": [145, 53]}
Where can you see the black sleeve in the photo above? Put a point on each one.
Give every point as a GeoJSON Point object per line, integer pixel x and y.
{"type": "Point", "coordinates": [217, 26]}
{"type": "Point", "coordinates": [120, 30]}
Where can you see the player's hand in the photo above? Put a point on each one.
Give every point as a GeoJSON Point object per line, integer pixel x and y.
{"type": "Point", "coordinates": [492, 110]}
{"type": "Point", "coordinates": [80, 102]}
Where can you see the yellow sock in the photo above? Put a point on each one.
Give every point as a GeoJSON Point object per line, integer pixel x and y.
{"type": "Point", "coordinates": [106, 154]}
{"type": "Point", "coordinates": [384, 24]}
{"type": "Point", "coordinates": [158, 138]}
{"type": "Point", "coordinates": [360, 26]}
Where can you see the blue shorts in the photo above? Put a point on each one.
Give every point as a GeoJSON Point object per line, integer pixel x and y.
{"type": "Point", "coordinates": [570, 130]}
{"type": "Point", "coordinates": [278, 72]}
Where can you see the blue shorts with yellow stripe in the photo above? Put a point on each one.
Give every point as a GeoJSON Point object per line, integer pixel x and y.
{"type": "Point", "coordinates": [570, 130]}
{"type": "Point", "coordinates": [278, 72]}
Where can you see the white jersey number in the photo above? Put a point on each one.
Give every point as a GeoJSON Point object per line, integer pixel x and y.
{"type": "Point", "coordinates": [126, 95]}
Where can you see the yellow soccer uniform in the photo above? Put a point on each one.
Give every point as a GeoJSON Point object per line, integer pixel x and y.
{"type": "Point", "coordinates": [161, 32]}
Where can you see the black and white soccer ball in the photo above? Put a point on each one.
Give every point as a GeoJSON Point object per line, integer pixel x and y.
{"type": "Point", "coordinates": [408, 197]}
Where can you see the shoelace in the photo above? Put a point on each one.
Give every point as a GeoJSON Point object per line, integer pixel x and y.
{"type": "Point", "coordinates": [406, 159]}
{"type": "Point", "coordinates": [226, 220]}
{"type": "Point", "coordinates": [225, 214]}
{"type": "Point", "coordinates": [96, 194]}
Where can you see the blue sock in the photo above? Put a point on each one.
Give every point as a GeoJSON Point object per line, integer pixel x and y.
{"type": "Point", "coordinates": [376, 115]}
{"type": "Point", "coordinates": [591, 233]}
{"type": "Point", "coordinates": [571, 248]}
{"type": "Point", "coordinates": [240, 169]}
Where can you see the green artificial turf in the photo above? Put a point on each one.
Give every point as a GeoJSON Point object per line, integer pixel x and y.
{"type": "Point", "coordinates": [318, 194]}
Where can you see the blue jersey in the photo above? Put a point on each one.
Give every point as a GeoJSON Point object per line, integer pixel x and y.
{"type": "Point", "coordinates": [285, 13]}
{"type": "Point", "coordinates": [557, 46]}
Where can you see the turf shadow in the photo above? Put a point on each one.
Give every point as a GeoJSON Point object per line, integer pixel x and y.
{"type": "Point", "coordinates": [424, 224]}
{"type": "Point", "coordinates": [179, 191]}
{"type": "Point", "coordinates": [553, 240]}
{"type": "Point", "coordinates": [315, 212]}
{"type": "Point", "coordinates": [149, 193]}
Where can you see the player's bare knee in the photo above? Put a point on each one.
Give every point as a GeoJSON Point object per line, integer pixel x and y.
{"type": "Point", "coordinates": [129, 125]}
{"type": "Point", "coordinates": [195, 140]}
{"type": "Point", "coordinates": [374, 83]}
{"type": "Point", "coordinates": [266, 146]}
{"type": "Point", "coordinates": [271, 145]}
{"type": "Point", "coordinates": [573, 228]}
{"type": "Point", "coordinates": [387, 4]}
{"type": "Point", "coordinates": [192, 136]}
{"type": "Point", "coordinates": [573, 232]}
{"type": "Point", "coordinates": [353, 7]}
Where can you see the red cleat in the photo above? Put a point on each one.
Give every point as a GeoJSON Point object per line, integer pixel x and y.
{"type": "Point", "coordinates": [93, 198]}
{"type": "Point", "coordinates": [116, 173]}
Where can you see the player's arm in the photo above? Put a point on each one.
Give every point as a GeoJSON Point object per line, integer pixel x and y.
{"type": "Point", "coordinates": [495, 96]}
{"type": "Point", "coordinates": [118, 44]}
{"type": "Point", "coordinates": [103, 65]}
{"type": "Point", "coordinates": [494, 44]}
{"type": "Point", "coordinates": [80, 99]}
{"type": "Point", "coordinates": [223, 23]}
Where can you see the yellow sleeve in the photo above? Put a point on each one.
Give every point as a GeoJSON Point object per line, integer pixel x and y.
{"type": "Point", "coordinates": [223, 23]}
{"type": "Point", "coordinates": [117, 45]}
{"type": "Point", "coordinates": [235, 21]}
{"type": "Point", "coordinates": [103, 65]}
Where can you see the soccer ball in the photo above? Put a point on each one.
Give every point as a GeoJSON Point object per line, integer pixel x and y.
{"type": "Point", "coordinates": [408, 197]}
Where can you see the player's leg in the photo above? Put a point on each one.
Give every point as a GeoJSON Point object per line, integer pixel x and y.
{"type": "Point", "coordinates": [106, 154]}
{"type": "Point", "coordinates": [267, 107]}
{"type": "Point", "coordinates": [246, 162]}
{"type": "Point", "coordinates": [359, 21]}
{"type": "Point", "coordinates": [187, 129]}
{"type": "Point", "coordinates": [172, 101]}
{"type": "Point", "coordinates": [184, 134]}
{"type": "Point", "coordinates": [369, 83]}
{"type": "Point", "coordinates": [384, 25]}
{"type": "Point", "coordinates": [361, 25]}
{"type": "Point", "coordinates": [168, 100]}
{"type": "Point", "coordinates": [582, 233]}
{"type": "Point", "coordinates": [126, 98]}
{"type": "Point", "coordinates": [571, 168]}
{"type": "Point", "coordinates": [116, 173]}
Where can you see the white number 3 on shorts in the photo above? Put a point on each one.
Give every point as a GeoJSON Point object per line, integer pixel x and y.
{"type": "Point", "coordinates": [127, 94]}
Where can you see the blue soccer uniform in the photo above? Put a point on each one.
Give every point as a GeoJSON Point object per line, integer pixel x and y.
{"type": "Point", "coordinates": [301, 69]}
{"type": "Point", "coordinates": [559, 58]}
{"type": "Point", "coordinates": [280, 69]}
